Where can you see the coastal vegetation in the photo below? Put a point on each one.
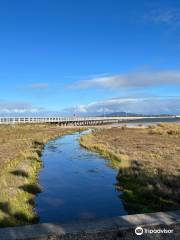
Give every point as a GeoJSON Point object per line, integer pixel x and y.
{"type": "Point", "coordinates": [147, 160]}
{"type": "Point", "coordinates": [20, 151]}
{"type": "Point", "coordinates": [148, 164]}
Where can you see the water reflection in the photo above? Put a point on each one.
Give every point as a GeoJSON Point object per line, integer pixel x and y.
{"type": "Point", "coordinates": [78, 184]}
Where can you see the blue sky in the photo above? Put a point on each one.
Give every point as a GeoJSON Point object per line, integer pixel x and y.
{"type": "Point", "coordinates": [86, 56]}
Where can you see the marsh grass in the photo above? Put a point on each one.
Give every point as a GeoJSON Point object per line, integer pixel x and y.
{"type": "Point", "coordinates": [148, 163]}
{"type": "Point", "coordinates": [117, 159]}
{"type": "Point", "coordinates": [20, 151]}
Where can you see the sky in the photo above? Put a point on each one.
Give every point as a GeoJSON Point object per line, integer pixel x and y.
{"type": "Point", "coordinates": [86, 57]}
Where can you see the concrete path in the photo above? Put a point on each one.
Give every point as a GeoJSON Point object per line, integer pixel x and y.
{"type": "Point", "coordinates": [116, 228]}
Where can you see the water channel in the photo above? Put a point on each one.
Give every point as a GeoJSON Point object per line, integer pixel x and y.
{"type": "Point", "coordinates": [77, 183]}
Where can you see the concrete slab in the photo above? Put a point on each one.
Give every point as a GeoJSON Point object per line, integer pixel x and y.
{"type": "Point", "coordinates": [148, 219]}
{"type": "Point", "coordinates": [118, 226]}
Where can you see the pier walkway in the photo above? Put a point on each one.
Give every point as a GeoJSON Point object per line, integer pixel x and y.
{"type": "Point", "coordinates": [77, 121]}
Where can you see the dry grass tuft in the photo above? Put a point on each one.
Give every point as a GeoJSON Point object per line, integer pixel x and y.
{"type": "Point", "coordinates": [148, 160]}
{"type": "Point", "coordinates": [20, 151]}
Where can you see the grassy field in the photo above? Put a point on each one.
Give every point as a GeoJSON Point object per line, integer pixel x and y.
{"type": "Point", "coordinates": [148, 160]}
{"type": "Point", "coordinates": [20, 151]}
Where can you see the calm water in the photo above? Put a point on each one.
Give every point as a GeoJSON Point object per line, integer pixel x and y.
{"type": "Point", "coordinates": [148, 121]}
{"type": "Point", "coordinates": [78, 184]}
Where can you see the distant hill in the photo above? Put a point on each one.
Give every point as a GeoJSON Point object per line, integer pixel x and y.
{"type": "Point", "coordinates": [124, 114]}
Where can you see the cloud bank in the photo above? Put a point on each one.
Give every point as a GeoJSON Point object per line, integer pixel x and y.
{"type": "Point", "coordinates": [132, 80]}
{"type": "Point", "coordinates": [157, 105]}
{"type": "Point", "coordinates": [17, 108]}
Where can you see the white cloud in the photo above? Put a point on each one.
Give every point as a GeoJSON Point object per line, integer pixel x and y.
{"type": "Point", "coordinates": [132, 80]}
{"type": "Point", "coordinates": [7, 107]}
{"type": "Point", "coordinates": [157, 105]}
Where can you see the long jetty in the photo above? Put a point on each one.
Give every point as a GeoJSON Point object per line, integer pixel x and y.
{"type": "Point", "coordinates": [79, 121]}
